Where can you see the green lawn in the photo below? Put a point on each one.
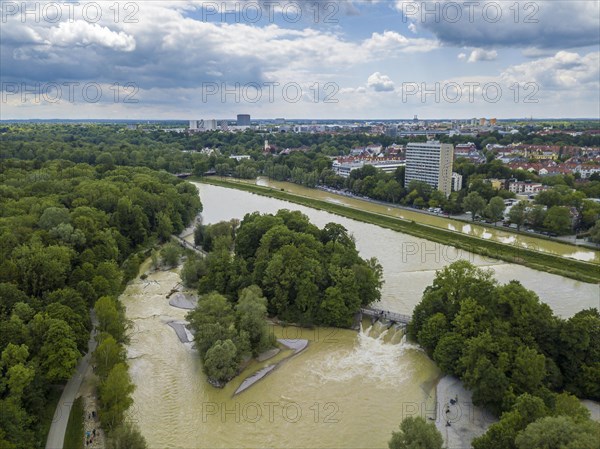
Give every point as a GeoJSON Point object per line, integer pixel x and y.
{"type": "Point", "coordinates": [74, 433]}
{"type": "Point", "coordinates": [581, 271]}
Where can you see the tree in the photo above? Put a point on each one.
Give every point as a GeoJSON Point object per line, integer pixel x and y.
{"type": "Point", "coordinates": [473, 203]}
{"type": "Point", "coordinates": [416, 433]}
{"type": "Point", "coordinates": [501, 435]}
{"type": "Point", "coordinates": [193, 270]}
{"type": "Point", "coordinates": [169, 255]}
{"type": "Point", "coordinates": [220, 362]}
{"type": "Point", "coordinates": [558, 220]}
{"type": "Point", "coordinates": [517, 214]}
{"type": "Point", "coordinates": [433, 330]}
{"type": "Point", "coordinates": [126, 436]}
{"type": "Point", "coordinates": [164, 227]}
{"type": "Point", "coordinates": [42, 269]}
{"type": "Point", "coordinates": [107, 354]}
{"type": "Point", "coordinates": [115, 396]}
{"type": "Point", "coordinates": [212, 320]}
{"type": "Point", "coordinates": [558, 433]}
{"type": "Point", "coordinates": [59, 352]}
{"type": "Point", "coordinates": [549, 198]}
{"type": "Point", "coordinates": [595, 233]}
{"type": "Point", "coordinates": [251, 314]}
{"type": "Point", "coordinates": [53, 216]}
{"type": "Point", "coordinates": [536, 216]}
{"type": "Point", "coordinates": [333, 308]}
{"type": "Point", "coordinates": [448, 352]}
{"type": "Point", "coordinates": [528, 370]}
{"type": "Point", "coordinates": [495, 209]}
{"type": "Point", "coordinates": [110, 318]}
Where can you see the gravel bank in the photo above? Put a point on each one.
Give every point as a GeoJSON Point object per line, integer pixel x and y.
{"type": "Point", "coordinates": [458, 420]}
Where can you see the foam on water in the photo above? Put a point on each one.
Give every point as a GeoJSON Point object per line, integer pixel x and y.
{"type": "Point", "coordinates": [377, 356]}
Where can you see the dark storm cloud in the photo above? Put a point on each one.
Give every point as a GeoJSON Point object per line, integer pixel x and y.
{"type": "Point", "coordinates": [542, 24]}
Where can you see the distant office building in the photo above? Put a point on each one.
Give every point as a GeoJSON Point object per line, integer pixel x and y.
{"type": "Point", "coordinates": [430, 162]}
{"type": "Point", "coordinates": [457, 182]}
{"type": "Point", "coordinates": [210, 125]}
{"type": "Point", "coordinates": [243, 120]}
{"type": "Point", "coordinates": [203, 125]}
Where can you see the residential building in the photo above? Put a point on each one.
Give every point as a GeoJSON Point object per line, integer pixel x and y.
{"type": "Point", "coordinates": [343, 166]}
{"type": "Point", "coordinates": [526, 187]}
{"type": "Point", "coordinates": [469, 151]}
{"type": "Point", "coordinates": [587, 170]}
{"type": "Point", "coordinates": [496, 184]}
{"type": "Point", "coordinates": [210, 125]}
{"type": "Point", "coordinates": [457, 182]}
{"type": "Point", "coordinates": [430, 162]}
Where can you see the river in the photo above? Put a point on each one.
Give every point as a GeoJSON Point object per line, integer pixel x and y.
{"type": "Point", "coordinates": [347, 390]}
{"type": "Point", "coordinates": [483, 231]}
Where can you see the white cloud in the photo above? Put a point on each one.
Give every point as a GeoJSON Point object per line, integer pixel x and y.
{"type": "Point", "coordinates": [564, 70]}
{"type": "Point", "coordinates": [462, 56]}
{"type": "Point", "coordinates": [390, 42]}
{"type": "Point", "coordinates": [479, 54]}
{"type": "Point", "coordinates": [82, 33]}
{"type": "Point", "coordinates": [380, 83]}
{"type": "Point", "coordinates": [413, 28]}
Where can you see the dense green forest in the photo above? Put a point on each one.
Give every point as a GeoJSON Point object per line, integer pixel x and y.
{"type": "Point", "coordinates": [519, 360]}
{"type": "Point", "coordinates": [71, 236]}
{"type": "Point", "coordinates": [110, 145]}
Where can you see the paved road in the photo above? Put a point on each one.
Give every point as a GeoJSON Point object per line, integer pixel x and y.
{"type": "Point", "coordinates": [56, 435]}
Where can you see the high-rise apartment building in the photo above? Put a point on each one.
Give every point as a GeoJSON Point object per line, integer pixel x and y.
{"type": "Point", "coordinates": [430, 162]}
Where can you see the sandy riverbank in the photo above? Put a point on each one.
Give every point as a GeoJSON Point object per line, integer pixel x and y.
{"type": "Point", "coordinates": [458, 420]}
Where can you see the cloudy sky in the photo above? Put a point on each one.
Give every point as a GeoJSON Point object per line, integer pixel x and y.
{"type": "Point", "coordinates": [386, 59]}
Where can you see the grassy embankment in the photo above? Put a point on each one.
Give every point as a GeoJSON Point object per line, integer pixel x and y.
{"type": "Point", "coordinates": [574, 269]}
{"type": "Point", "coordinates": [74, 433]}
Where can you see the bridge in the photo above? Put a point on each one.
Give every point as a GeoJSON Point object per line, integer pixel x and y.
{"type": "Point", "coordinates": [189, 245]}
{"type": "Point", "coordinates": [384, 314]}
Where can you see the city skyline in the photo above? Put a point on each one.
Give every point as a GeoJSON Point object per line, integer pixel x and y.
{"type": "Point", "coordinates": [332, 60]}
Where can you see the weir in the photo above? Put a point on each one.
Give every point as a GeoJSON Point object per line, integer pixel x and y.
{"type": "Point", "coordinates": [379, 314]}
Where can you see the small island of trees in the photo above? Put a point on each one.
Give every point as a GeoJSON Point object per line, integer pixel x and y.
{"type": "Point", "coordinates": [279, 265]}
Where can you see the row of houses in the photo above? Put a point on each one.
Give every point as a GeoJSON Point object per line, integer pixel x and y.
{"type": "Point", "coordinates": [506, 153]}
{"type": "Point", "coordinates": [547, 168]}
